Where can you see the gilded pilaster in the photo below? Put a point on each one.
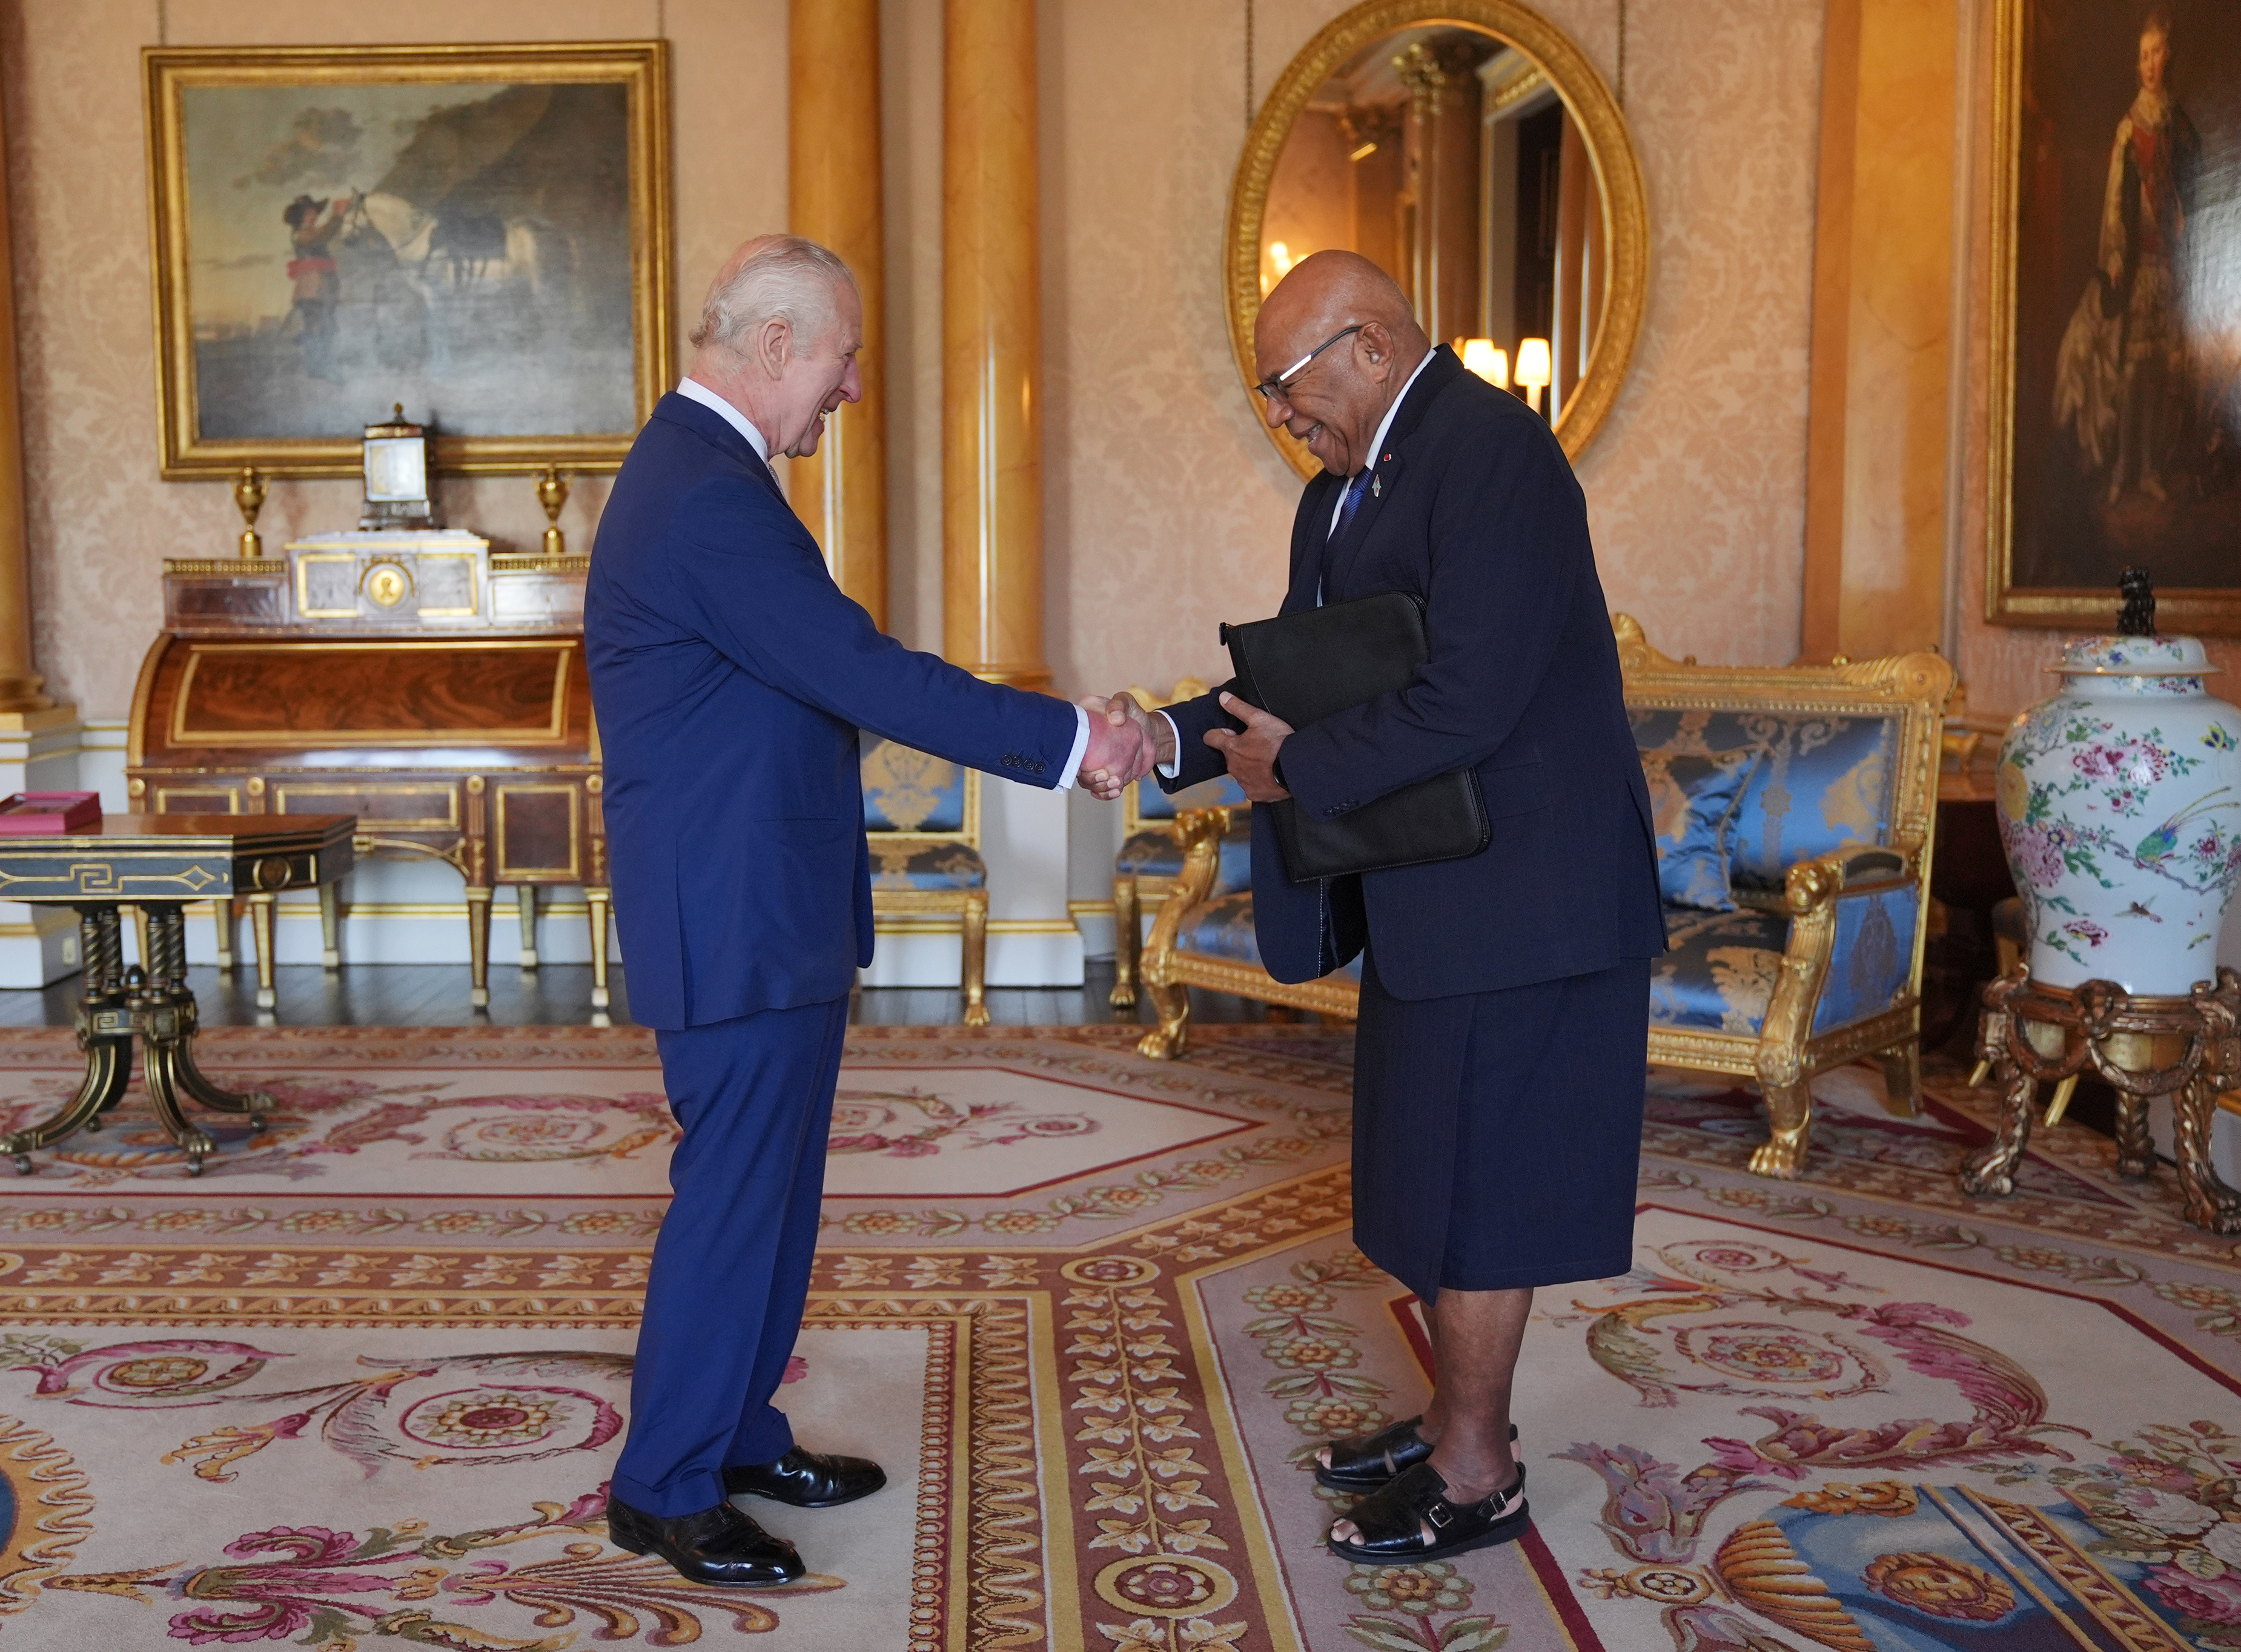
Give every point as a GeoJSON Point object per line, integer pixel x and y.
{"type": "Point", "coordinates": [20, 687]}
{"type": "Point", "coordinates": [991, 345]}
{"type": "Point", "coordinates": [834, 103]}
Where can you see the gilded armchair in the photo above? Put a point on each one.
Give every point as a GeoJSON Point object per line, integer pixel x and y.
{"type": "Point", "coordinates": [1151, 855]}
{"type": "Point", "coordinates": [922, 819]}
{"type": "Point", "coordinates": [1814, 957]}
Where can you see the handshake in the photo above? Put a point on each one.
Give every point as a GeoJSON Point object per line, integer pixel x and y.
{"type": "Point", "coordinates": [1126, 742]}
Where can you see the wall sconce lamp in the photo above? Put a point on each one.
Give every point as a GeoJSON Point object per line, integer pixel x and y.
{"type": "Point", "coordinates": [1362, 153]}
{"type": "Point", "coordinates": [1532, 370]}
{"type": "Point", "coordinates": [1487, 359]}
{"type": "Point", "coordinates": [1279, 259]}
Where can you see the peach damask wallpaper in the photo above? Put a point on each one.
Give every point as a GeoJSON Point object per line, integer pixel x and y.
{"type": "Point", "coordinates": [1165, 511]}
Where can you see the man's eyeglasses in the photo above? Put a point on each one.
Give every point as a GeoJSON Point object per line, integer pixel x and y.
{"type": "Point", "coordinates": [1272, 388]}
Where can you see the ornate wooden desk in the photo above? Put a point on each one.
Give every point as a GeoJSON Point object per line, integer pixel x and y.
{"type": "Point", "coordinates": [157, 863]}
{"type": "Point", "coordinates": [335, 680]}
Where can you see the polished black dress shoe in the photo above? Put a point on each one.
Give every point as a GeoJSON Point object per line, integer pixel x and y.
{"type": "Point", "coordinates": [806, 1480]}
{"type": "Point", "coordinates": [719, 1545]}
{"type": "Point", "coordinates": [1412, 1519]}
{"type": "Point", "coordinates": [1368, 1460]}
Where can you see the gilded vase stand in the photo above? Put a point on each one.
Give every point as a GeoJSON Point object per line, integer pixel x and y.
{"type": "Point", "coordinates": [157, 863]}
{"type": "Point", "coordinates": [2186, 1049]}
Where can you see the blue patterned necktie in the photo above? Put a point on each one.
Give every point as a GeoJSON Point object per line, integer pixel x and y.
{"type": "Point", "coordinates": [1352, 502]}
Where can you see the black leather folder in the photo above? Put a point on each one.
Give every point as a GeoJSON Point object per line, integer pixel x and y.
{"type": "Point", "coordinates": [1303, 667]}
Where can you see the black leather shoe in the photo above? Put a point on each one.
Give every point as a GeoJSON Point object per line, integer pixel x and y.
{"type": "Point", "coordinates": [719, 1545]}
{"type": "Point", "coordinates": [1412, 1519]}
{"type": "Point", "coordinates": [1368, 1460]}
{"type": "Point", "coordinates": [806, 1480]}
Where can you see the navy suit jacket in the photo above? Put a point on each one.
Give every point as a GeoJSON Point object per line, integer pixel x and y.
{"type": "Point", "coordinates": [730, 677]}
{"type": "Point", "coordinates": [1477, 514]}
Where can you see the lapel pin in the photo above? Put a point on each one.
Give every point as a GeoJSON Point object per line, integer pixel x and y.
{"type": "Point", "coordinates": [1377, 486]}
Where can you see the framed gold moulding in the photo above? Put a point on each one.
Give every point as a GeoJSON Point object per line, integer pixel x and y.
{"type": "Point", "coordinates": [479, 232]}
{"type": "Point", "coordinates": [2114, 431]}
{"type": "Point", "coordinates": [1471, 150]}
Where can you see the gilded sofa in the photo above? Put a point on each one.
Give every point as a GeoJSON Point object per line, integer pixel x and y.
{"type": "Point", "coordinates": [1799, 946]}
{"type": "Point", "coordinates": [1151, 855]}
{"type": "Point", "coordinates": [922, 819]}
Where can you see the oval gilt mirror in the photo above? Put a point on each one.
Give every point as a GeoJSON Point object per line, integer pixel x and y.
{"type": "Point", "coordinates": [1475, 156]}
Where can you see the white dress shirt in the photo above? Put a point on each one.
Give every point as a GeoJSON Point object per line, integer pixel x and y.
{"type": "Point", "coordinates": [694, 390]}
{"type": "Point", "coordinates": [1170, 770]}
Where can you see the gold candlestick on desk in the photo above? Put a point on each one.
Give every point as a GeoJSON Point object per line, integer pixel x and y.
{"type": "Point", "coordinates": [249, 494]}
{"type": "Point", "coordinates": [552, 494]}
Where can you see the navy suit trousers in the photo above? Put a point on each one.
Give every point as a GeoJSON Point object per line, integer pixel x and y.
{"type": "Point", "coordinates": [731, 1267]}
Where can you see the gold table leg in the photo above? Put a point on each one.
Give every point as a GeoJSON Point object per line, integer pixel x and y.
{"type": "Point", "coordinates": [104, 1033]}
{"type": "Point", "coordinates": [596, 897]}
{"type": "Point", "coordinates": [330, 925]}
{"type": "Point", "coordinates": [479, 906]}
{"type": "Point", "coordinates": [524, 900]}
{"type": "Point", "coordinates": [1127, 940]}
{"type": "Point", "coordinates": [263, 908]}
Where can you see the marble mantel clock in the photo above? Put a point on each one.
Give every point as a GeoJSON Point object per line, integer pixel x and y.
{"type": "Point", "coordinates": [397, 472]}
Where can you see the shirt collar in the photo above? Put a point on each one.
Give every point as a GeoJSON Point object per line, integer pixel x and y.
{"type": "Point", "coordinates": [1386, 424]}
{"type": "Point", "coordinates": [692, 389]}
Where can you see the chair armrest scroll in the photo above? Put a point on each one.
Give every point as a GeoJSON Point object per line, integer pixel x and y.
{"type": "Point", "coordinates": [1810, 884]}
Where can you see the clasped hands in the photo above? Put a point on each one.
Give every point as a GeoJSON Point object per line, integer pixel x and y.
{"type": "Point", "coordinates": [1126, 742]}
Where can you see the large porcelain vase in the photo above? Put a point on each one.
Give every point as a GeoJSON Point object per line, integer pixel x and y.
{"type": "Point", "coordinates": [2120, 808]}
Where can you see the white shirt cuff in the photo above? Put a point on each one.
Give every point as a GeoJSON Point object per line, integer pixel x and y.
{"type": "Point", "coordinates": [1169, 770]}
{"type": "Point", "coordinates": [1080, 749]}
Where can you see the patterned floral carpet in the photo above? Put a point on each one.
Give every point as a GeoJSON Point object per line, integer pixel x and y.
{"type": "Point", "coordinates": [363, 1382]}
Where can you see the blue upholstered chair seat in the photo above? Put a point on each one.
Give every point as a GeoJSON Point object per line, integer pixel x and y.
{"type": "Point", "coordinates": [1154, 853]}
{"type": "Point", "coordinates": [926, 867]}
{"type": "Point", "coordinates": [1720, 972]}
{"type": "Point", "coordinates": [1223, 928]}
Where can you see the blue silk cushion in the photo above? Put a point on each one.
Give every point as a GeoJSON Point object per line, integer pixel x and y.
{"type": "Point", "coordinates": [908, 791]}
{"type": "Point", "coordinates": [1693, 794]}
{"type": "Point", "coordinates": [1223, 929]}
{"type": "Point", "coordinates": [1823, 782]}
{"type": "Point", "coordinates": [1155, 853]}
{"type": "Point", "coordinates": [1720, 972]}
{"type": "Point", "coordinates": [926, 867]}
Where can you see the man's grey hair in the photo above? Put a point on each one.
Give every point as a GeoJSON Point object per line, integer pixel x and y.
{"type": "Point", "coordinates": [787, 278]}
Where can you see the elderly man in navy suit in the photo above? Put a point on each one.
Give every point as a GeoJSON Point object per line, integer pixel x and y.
{"type": "Point", "coordinates": [731, 677]}
{"type": "Point", "coordinates": [1498, 1067]}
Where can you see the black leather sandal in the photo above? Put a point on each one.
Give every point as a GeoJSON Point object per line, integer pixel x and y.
{"type": "Point", "coordinates": [1369, 1461]}
{"type": "Point", "coordinates": [1392, 1523]}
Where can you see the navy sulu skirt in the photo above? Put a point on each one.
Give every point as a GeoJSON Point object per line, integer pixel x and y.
{"type": "Point", "coordinates": [1497, 1134]}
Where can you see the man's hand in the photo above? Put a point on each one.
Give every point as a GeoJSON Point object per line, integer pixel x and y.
{"type": "Point", "coordinates": [1252, 755]}
{"type": "Point", "coordinates": [1120, 750]}
{"type": "Point", "coordinates": [1154, 728]}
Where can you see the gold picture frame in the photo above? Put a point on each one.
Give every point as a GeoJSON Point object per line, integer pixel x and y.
{"type": "Point", "coordinates": [2065, 513]}
{"type": "Point", "coordinates": [474, 227]}
{"type": "Point", "coordinates": [1625, 202]}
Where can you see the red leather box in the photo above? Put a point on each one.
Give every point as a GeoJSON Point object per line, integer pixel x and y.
{"type": "Point", "coordinates": [33, 814]}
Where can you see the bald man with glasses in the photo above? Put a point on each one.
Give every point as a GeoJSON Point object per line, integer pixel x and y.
{"type": "Point", "coordinates": [1503, 1038]}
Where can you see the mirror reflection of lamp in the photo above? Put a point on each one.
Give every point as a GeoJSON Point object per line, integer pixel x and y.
{"type": "Point", "coordinates": [1488, 360]}
{"type": "Point", "coordinates": [1532, 369]}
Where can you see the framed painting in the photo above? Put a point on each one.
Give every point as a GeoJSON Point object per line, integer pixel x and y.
{"type": "Point", "coordinates": [479, 233]}
{"type": "Point", "coordinates": [2116, 371]}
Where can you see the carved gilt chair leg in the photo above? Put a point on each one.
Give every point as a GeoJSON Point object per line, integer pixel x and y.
{"type": "Point", "coordinates": [1171, 1004]}
{"type": "Point", "coordinates": [330, 925]}
{"type": "Point", "coordinates": [1992, 1172]}
{"type": "Point", "coordinates": [975, 970]}
{"type": "Point", "coordinates": [1901, 1066]}
{"type": "Point", "coordinates": [525, 902]}
{"type": "Point", "coordinates": [1128, 939]}
{"type": "Point", "coordinates": [1789, 1116]}
{"type": "Point", "coordinates": [2210, 1203]}
{"type": "Point", "coordinates": [596, 898]}
{"type": "Point", "coordinates": [2136, 1148]}
{"type": "Point", "coordinates": [263, 908]}
{"type": "Point", "coordinates": [2063, 1090]}
{"type": "Point", "coordinates": [478, 920]}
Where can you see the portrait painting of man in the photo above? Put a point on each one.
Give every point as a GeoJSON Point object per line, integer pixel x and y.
{"type": "Point", "coordinates": [2125, 371]}
{"type": "Point", "coordinates": [443, 235]}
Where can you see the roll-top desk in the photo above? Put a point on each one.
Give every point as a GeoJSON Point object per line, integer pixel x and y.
{"type": "Point", "coordinates": [432, 690]}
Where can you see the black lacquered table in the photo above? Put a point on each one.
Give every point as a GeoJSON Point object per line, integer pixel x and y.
{"type": "Point", "coordinates": [157, 863]}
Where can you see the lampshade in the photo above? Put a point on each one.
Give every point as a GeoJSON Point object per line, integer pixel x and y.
{"type": "Point", "coordinates": [1491, 363]}
{"type": "Point", "coordinates": [1532, 362]}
